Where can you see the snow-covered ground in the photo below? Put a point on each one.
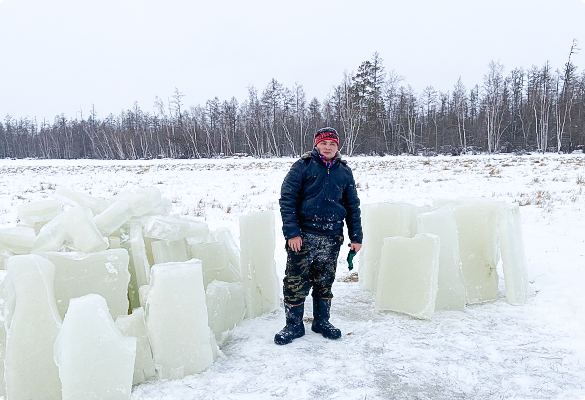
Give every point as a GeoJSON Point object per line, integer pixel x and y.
{"type": "Point", "coordinates": [488, 351]}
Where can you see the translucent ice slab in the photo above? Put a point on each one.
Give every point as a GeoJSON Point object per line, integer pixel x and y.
{"type": "Point", "coordinates": [39, 211]}
{"type": "Point", "coordinates": [409, 271]}
{"type": "Point", "coordinates": [17, 240]}
{"type": "Point", "coordinates": [257, 263]}
{"type": "Point", "coordinates": [380, 220]}
{"type": "Point", "coordinates": [513, 255]}
{"type": "Point", "coordinates": [133, 325]}
{"type": "Point", "coordinates": [4, 254]}
{"type": "Point", "coordinates": [113, 217]}
{"type": "Point", "coordinates": [68, 196]}
{"type": "Point", "coordinates": [216, 264]}
{"type": "Point", "coordinates": [95, 360]}
{"type": "Point", "coordinates": [114, 242]}
{"type": "Point", "coordinates": [451, 294]}
{"type": "Point", "coordinates": [165, 228]}
{"type": "Point", "coordinates": [164, 251]}
{"type": "Point", "coordinates": [176, 320]}
{"type": "Point", "coordinates": [140, 203]}
{"type": "Point", "coordinates": [143, 294]}
{"type": "Point", "coordinates": [104, 273]}
{"type": "Point", "coordinates": [477, 226]}
{"type": "Point", "coordinates": [2, 333]}
{"type": "Point", "coordinates": [164, 208]}
{"type": "Point", "coordinates": [132, 240]}
{"type": "Point", "coordinates": [226, 306]}
{"type": "Point", "coordinates": [79, 225]}
{"type": "Point", "coordinates": [32, 325]}
{"type": "Point", "coordinates": [224, 235]}
{"type": "Point", "coordinates": [52, 235]}
{"type": "Point", "coordinates": [198, 231]}
{"type": "Point", "coordinates": [152, 194]}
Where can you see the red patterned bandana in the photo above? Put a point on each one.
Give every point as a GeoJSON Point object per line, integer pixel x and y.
{"type": "Point", "coordinates": [327, 136]}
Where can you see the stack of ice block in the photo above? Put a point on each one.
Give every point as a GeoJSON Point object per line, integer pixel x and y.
{"type": "Point", "coordinates": [470, 234]}
{"type": "Point", "coordinates": [88, 261]}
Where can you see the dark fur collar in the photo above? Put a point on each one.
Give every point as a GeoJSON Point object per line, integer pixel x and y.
{"type": "Point", "coordinates": [308, 155]}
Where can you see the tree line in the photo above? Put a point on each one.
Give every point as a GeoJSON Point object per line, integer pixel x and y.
{"type": "Point", "coordinates": [535, 109]}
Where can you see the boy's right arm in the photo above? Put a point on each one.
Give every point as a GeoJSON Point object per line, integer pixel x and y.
{"type": "Point", "coordinates": [289, 198]}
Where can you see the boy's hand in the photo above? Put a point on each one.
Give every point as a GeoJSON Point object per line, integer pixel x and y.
{"type": "Point", "coordinates": [296, 243]}
{"type": "Point", "coordinates": [355, 246]}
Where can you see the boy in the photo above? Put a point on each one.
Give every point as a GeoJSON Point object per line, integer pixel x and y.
{"type": "Point", "coordinates": [317, 195]}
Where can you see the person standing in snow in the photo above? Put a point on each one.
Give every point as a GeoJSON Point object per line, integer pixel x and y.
{"type": "Point", "coordinates": [317, 195]}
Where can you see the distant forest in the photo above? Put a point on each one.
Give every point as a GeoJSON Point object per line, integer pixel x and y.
{"type": "Point", "coordinates": [538, 109]}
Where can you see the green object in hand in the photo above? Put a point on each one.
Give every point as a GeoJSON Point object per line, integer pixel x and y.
{"type": "Point", "coordinates": [350, 257]}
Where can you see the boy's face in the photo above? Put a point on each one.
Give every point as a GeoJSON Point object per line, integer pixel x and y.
{"type": "Point", "coordinates": [327, 148]}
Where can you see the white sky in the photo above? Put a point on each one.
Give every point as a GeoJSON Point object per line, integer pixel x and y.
{"type": "Point", "coordinates": [62, 56]}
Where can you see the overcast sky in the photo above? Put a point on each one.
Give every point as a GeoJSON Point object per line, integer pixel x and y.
{"type": "Point", "coordinates": [62, 56]}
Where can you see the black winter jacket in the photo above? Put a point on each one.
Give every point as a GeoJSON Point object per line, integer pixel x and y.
{"type": "Point", "coordinates": [316, 199]}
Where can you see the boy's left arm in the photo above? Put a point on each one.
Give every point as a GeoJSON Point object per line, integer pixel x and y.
{"type": "Point", "coordinates": [353, 217]}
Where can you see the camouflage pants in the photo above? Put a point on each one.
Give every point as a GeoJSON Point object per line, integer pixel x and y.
{"type": "Point", "coordinates": [312, 267]}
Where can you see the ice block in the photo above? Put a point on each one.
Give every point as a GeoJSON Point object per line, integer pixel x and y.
{"type": "Point", "coordinates": [165, 228]}
{"type": "Point", "coordinates": [18, 240]}
{"type": "Point", "coordinates": [39, 211]}
{"type": "Point", "coordinates": [409, 272]}
{"type": "Point", "coordinates": [133, 325]}
{"type": "Point", "coordinates": [176, 320]}
{"type": "Point", "coordinates": [32, 325]}
{"type": "Point", "coordinates": [132, 240]}
{"type": "Point", "coordinates": [224, 235]}
{"type": "Point", "coordinates": [73, 198]}
{"type": "Point", "coordinates": [52, 235]}
{"type": "Point", "coordinates": [79, 225]}
{"type": "Point", "coordinates": [164, 251]}
{"type": "Point", "coordinates": [477, 226]}
{"type": "Point", "coordinates": [113, 217]}
{"type": "Point", "coordinates": [257, 241]}
{"type": "Point", "coordinates": [216, 264]}
{"type": "Point", "coordinates": [140, 203]}
{"type": "Point", "coordinates": [513, 255]}
{"type": "Point", "coordinates": [225, 306]}
{"type": "Point", "coordinates": [451, 291]}
{"type": "Point", "coordinates": [380, 220]}
{"type": "Point", "coordinates": [95, 360]}
{"type": "Point", "coordinates": [104, 273]}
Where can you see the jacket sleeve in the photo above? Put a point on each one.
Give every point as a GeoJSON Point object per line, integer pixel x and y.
{"type": "Point", "coordinates": [352, 206]}
{"type": "Point", "coordinates": [289, 200]}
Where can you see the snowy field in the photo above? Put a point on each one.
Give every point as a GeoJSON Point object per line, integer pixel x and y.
{"type": "Point", "coordinates": [488, 351]}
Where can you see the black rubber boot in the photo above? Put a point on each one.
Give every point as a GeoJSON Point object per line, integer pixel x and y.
{"type": "Point", "coordinates": [321, 324]}
{"type": "Point", "coordinates": [294, 324]}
